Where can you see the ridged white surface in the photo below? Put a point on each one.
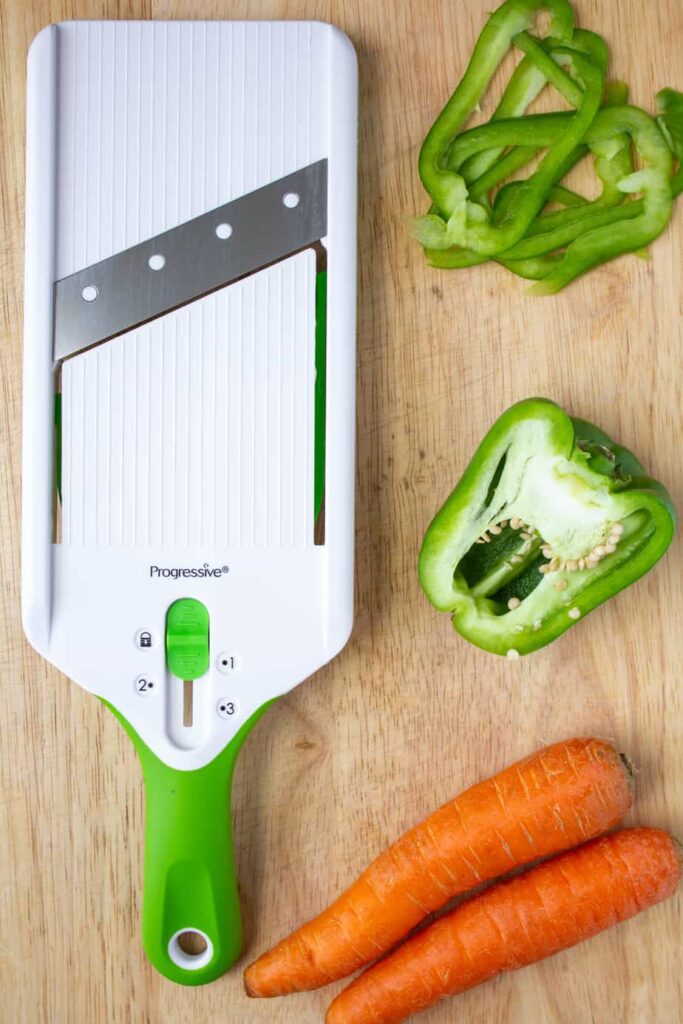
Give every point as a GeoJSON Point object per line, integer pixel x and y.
{"type": "Point", "coordinates": [198, 427]}
{"type": "Point", "coordinates": [162, 121]}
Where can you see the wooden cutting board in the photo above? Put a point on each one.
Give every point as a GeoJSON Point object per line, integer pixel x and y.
{"type": "Point", "coordinates": [409, 713]}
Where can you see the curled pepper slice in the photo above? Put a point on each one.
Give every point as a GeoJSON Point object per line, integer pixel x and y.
{"type": "Point", "coordinates": [447, 188]}
{"type": "Point", "coordinates": [468, 224]}
{"type": "Point", "coordinates": [595, 232]}
{"type": "Point", "coordinates": [600, 244]}
{"type": "Point", "coordinates": [670, 120]}
{"type": "Point", "coordinates": [540, 66]}
{"type": "Point", "coordinates": [550, 519]}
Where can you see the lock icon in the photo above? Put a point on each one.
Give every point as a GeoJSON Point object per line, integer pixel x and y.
{"type": "Point", "coordinates": [144, 638]}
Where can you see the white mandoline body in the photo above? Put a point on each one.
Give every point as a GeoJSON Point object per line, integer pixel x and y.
{"type": "Point", "coordinates": [188, 442]}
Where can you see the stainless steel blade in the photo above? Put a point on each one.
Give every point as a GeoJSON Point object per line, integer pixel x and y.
{"type": "Point", "coordinates": [182, 264]}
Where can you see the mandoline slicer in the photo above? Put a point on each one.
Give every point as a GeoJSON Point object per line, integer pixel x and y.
{"type": "Point", "coordinates": [189, 407]}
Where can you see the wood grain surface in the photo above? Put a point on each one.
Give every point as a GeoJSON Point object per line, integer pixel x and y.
{"type": "Point", "coordinates": [408, 714]}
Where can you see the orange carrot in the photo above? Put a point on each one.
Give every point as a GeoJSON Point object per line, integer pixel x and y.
{"type": "Point", "coordinates": [560, 796]}
{"type": "Point", "coordinates": [516, 923]}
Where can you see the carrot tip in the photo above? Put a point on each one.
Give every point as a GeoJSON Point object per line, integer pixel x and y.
{"type": "Point", "coordinates": [248, 987]}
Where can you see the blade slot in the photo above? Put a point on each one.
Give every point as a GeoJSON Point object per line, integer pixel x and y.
{"type": "Point", "coordinates": [188, 700]}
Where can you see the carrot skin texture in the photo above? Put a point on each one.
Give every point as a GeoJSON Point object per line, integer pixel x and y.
{"type": "Point", "coordinates": [516, 923]}
{"type": "Point", "coordinates": [553, 800]}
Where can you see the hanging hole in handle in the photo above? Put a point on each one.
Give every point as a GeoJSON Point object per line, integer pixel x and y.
{"type": "Point", "coordinates": [190, 948]}
{"type": "Point", "coordinates": [192, 943]}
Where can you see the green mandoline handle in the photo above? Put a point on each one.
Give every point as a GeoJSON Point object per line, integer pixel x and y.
{"type": "Point", "coordinates": [189, 881]}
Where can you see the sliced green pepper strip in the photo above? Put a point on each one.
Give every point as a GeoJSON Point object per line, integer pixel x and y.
{"type": "Point", "coordinates": [506, 165]}
{"type": "Point", "coordinates": [612, 157]}
{"type": "Point", "coordinates": [527, 258]}
{"type": "Point", "coordinates": [612, 165]}
{"type": "Point", "coordinates": [615, 94]}
{"type": "Point", "coordinates": [631, 226]}
{"type": "Point", "coordinates": [446, 188]}
{"type": "Point", "coordinates": [506, 195]}
{"type": "Point", "coordinates": [471, 228]}
{"type": "Point", "coordinates": [595, 215]}
{"type": "Point", "coordinates": [511, 162]}
{"type": "Point", "coordinates": [599, 245]}
{"type": "Point", "coordinates": [546, 67]}
{"type": "Point", "coordinates": [550, 231]}
{"type": "Point", "coordinates": [549, 520]}
{"type": "Point", "coordinates": [670, 121]}
{"type": "Point", "coordinates": [560, 194]}
{"type": "Point", "coordinates": [550, 70]}
{"type": "Point", "coordinates": [533, 268]}
{"type": "Point", "coordinates": [526, 83]}
{"type": "Point", "coordinates": [536, 131]}
{"type": "Point", "coordinates": [537, 267]}
{"type": "Point", "coordinates": [484, 170]}
{"type": "Point", "coordinates": [461, 258]}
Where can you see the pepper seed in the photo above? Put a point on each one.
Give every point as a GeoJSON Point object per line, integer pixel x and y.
{"type": "Point", "coordinates": [560, 584]}
{"type": "Point", "coordinates": [574, 613]}
{"type": "Point", "coordinates": [513, 603]}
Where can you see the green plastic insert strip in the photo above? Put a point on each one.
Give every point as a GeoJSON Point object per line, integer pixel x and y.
{"type": "Point", "coordinates": [58, 443]}
{"type": "Point", "coordinates": [320, 389]}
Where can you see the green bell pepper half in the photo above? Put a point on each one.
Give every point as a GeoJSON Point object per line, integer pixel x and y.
{"type": "Point", "coordinates": [550, 519]}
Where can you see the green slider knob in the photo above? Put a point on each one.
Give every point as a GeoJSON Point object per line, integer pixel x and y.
{"type": "Point", "coordinates": [187, 639]}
